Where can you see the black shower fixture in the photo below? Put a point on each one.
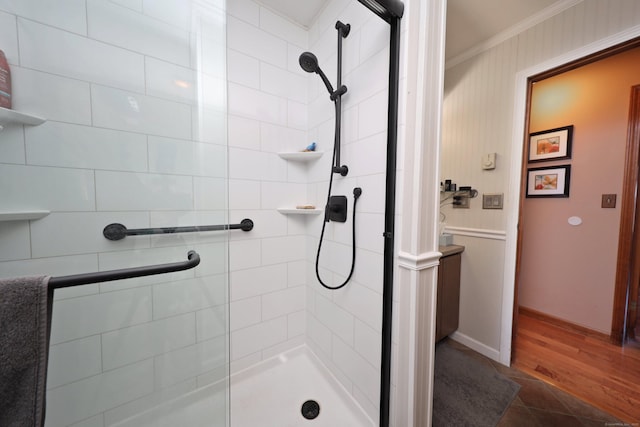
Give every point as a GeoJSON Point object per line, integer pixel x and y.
{"type": "Point", "coordinates": [391, 12]}
{"type": "Point", "coordinates": [336, 209]}
{"type": "Point", "coordinates": [309, 63]}
{"type": "Point", "coordinates": [385, 9]}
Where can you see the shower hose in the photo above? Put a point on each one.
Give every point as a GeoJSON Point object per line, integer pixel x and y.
{"type": "Point", "coordinates": [356, 194]}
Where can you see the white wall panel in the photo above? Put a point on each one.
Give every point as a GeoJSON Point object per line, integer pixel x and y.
{"type": "Point", "coordinates": [85, 147]}
{"type": "Point", "coordinates": [123, 27]}
{"type": "Point", "coordinates": [127, 111]}
{"type": "Point", "coordinates": [16, 241]}
{"type": "Point", "coordinates": [283, 28]}
{"type": "Point", "coordinates": [169, 81]}
{"type": "Point", "coordinates": [257, 43]}
{"type": "Point", "coordinates": [140, 342]}
{"type": "Point", "coordinates": [68, 15]}
{"type": "Point", "coordinates": [51, 96]}
{"type": "Point", "coordinates": [183, 296]}
{"type": "Point", "coordinates": [44, 188]}
{"type": "Point", "coordinates": [9, 37]}
{"type": "Point", "coordinates": [79, 400]}
{"type": "Point", "coordinates": [134, 191]}
{"type": "Point", "coordinates": [181, 157]}
{"type": "Point", "coordinates": [74, 360]}
{"type": "Point", "coordinates": [101, 313]}
{"type": "Point", "coordinates": [134, 98]}
{"type": "Point", "coordinates": [109, 65]}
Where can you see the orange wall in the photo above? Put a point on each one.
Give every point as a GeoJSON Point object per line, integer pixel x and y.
{"type": "Point", "coordinates": [569, 271]}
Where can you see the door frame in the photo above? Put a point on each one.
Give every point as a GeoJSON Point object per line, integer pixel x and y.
{"type": "Point", "coordinates": [626, 268]}
{"type": "Point", "coordinates": [515, 191]}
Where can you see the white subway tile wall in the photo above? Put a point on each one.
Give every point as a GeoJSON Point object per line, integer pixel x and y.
{"type": "Point", "coordinates": [344, 327]}
{"type": "Point", "coordinates": [135, 134]}
{"type": "Point", "coordinates": [134, 93]}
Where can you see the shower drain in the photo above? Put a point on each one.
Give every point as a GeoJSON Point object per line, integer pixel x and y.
{"type": "Point", "coordinates": [310, 409]}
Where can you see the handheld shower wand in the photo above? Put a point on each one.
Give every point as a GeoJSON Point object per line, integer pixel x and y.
{"type": "Point", "coordinates": [309, 63]}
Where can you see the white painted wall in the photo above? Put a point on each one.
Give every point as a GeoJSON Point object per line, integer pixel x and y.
{"type": "Point", "coordinates": [478, 118]}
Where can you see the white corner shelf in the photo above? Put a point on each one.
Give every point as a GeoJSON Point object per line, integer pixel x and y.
{"type": "Point", "coordinates": [22, 215]}
{"type": "Point", "coordinates": [295, 211]}
{"type": "Point", "coordinates": [301, 156]}
{"type": "Point", "coordinates": [8, 116]}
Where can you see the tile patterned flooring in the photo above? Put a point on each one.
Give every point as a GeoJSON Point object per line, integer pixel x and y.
{"type": "Point", "coordinates": [541, 405]}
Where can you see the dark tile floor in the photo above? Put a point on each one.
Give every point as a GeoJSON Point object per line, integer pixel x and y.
{"type": "Point", "coordinates": [540, 405]}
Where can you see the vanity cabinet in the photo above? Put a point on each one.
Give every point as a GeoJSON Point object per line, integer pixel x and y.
{"type": "Point", "coordinates": [448, 300]}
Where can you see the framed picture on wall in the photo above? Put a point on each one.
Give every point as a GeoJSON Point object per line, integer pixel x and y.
{"type": "Point", "coordinates": [548, 181]}
{"type": "Point", "coordinates": [552, 144]}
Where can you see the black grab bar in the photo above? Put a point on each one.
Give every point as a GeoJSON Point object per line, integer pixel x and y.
{"type": "Point", "coordinates": [117, 231]}
{"type": "Point", "coordinates": [193, 259]}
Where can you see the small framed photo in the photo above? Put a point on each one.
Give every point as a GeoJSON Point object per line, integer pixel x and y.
{"type": "Point", "coordinates": [548, 181]}
{"type": "Point", "coordinates": [552, 144]}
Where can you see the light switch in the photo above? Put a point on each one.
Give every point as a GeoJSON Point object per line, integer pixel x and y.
{"type": "Point", "coordinates": [492, 201]}
{"type": "Point", "coordinates": [489, 161]}
{"type": "Point", "coordinates": [608, 200]}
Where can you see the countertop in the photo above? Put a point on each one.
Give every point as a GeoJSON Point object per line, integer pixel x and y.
{"type": "Point", "coordinates": [450, 250]}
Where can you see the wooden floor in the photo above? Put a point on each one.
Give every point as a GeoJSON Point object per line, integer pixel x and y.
{"type": "Point", "coordinates": [584, 365]}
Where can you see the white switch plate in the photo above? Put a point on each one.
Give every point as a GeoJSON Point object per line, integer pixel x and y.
{"type": "Point", "coordinates": [492, 201]}
{"type": "Point", "coordinates": [489, 161]}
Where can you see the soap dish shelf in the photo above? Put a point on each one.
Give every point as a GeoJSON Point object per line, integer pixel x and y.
{"type": "Point", "coordinates": [8, 116]}
{"type": "Point", "coordinates": [22, 215]}
{"type": "Point", "coordinates": [294, 211]}
{"type": "Point", "coordinates": [301, 156]}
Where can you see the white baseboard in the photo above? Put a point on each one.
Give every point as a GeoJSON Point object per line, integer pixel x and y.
{"type": "Point", "coordinates": [483, 349]}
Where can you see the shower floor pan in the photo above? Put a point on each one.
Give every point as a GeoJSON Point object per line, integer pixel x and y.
{"type": "Point", "coordinates": [269, 394]}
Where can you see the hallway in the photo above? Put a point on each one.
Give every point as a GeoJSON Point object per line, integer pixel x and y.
{"type": "Point", "coordinates": [582, 364]}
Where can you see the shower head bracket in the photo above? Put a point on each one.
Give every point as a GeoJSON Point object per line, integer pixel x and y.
{"type": "Point", "coordinates": [343, 29]}
{"type": "Point", "coordinates": [342, 170]}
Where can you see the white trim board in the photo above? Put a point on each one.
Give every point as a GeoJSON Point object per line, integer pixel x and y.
{"type": "Point", "coordinates": [519, 113]}
{"type": "Point", "coordinates": [418, 262]}
{"type": "Point", "coordinates": [477, 232]}
{"type": "Point", "coordinates": [481, 348]}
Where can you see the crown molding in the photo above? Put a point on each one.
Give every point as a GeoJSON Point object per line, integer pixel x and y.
{"type": "Point", "coordinates": [514, 30]}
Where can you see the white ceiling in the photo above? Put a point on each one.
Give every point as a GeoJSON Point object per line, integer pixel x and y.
{"type": "Point", "coordinates": [469, 22]}
{"type": "Point", "coordinates": [301, 11]}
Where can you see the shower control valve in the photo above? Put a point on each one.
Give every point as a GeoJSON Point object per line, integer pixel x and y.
{"type": "Point", "coordinates": [337, 209]}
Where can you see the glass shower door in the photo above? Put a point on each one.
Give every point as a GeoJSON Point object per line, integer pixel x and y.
{"type": "Point", "coordinates": [134, 97]}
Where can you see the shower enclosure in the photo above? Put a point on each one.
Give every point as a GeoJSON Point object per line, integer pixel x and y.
{"type": "Point", "coordinates": [181, 113]}
{"type": "Point", "coordinates": [134, 97]}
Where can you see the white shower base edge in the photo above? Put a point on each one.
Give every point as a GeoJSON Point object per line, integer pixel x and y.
{"type": "Point", "coordinates": [271, 394]}
{"type": "Point", "coordinates": [268, 394]}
